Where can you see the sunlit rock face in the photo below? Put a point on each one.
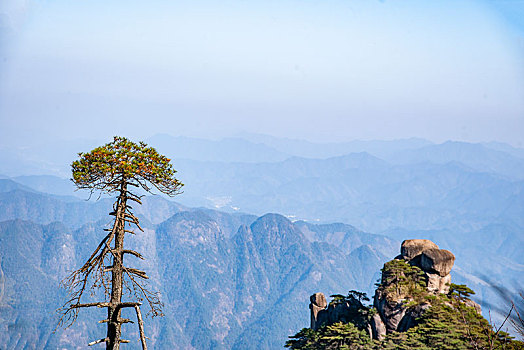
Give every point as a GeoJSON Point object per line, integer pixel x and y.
{"type": "Point", "coordinates": [436, 263]}
{"type": "Point", "coordinates": [318, 303]}
{"type": "Point", "coordinates": [412, 248]}
{"type": "Point", "coordinates": [392, 303]}
{"type": "Point", "coordinates": [437, 260]}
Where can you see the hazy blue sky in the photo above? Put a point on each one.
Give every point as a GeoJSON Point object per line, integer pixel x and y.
{"type": "Point", "coordinates": [316, 69]}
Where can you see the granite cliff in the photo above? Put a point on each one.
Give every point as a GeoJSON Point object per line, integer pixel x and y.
{"type": "Point", "coordinates": [407, 287]}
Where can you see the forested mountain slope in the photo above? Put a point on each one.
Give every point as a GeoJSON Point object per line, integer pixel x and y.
{"type": "Point", "coordinates": [222, 277]}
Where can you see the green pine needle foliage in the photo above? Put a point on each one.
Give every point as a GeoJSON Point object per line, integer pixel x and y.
{"type": "Point", "coordinates": [448, 324]}
{"type": "Point", "coordinates": [103, 168]}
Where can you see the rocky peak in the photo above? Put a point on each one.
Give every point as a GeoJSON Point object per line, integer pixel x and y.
{"type": "Point", "coordinates": [430, 269]}
{"type": "Point", "coordinates": [190, 229]}
{"type": "Point", "coordinates": [436, 263]}
{"type": "Point", "coordinates": [275, 231]}
{"type": "Point", "coordinates": [421, 268]}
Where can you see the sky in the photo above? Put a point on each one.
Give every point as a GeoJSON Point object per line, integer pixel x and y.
{"type": "Point", "coordinates": [321, 70]}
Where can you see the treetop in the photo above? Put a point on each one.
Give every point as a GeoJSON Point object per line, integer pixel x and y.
{"type": "Point", "coordinates": [107, 167]}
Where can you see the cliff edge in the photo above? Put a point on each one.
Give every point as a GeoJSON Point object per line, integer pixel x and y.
{"type": "Point", "coordinates": [408, 282]}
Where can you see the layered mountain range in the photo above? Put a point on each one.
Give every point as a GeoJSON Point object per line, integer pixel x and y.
{"type": "Point", "coordinates": [235, 280]}
{"type": "Point", "coordinates": [223, 277]}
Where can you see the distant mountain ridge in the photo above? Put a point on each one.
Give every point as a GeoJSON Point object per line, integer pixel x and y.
{"type": "Point", "coordinates": [468, 202]}
{"type": "Point", "coordinates": [223, 277]}
{"type": "Point", "coordinates": [412, 177]}
{"type": "Point", "coordinates": [54, 158]}
{"type": "Point", "coordinates": [322, 150]}
{"type": "Point", "coordinates": [476, 156]}
{"type": "Point", "coordinates": [224, 150]}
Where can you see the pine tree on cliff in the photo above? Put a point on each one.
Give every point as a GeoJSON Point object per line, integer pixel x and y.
{"type": "Point", "coordinates": [117, 168]}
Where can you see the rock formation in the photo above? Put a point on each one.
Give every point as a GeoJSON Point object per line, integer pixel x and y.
{"type": "Point", "coordinates": [420, 266]}
{"type": "Point", "coordinates": [436, 263]}
{"type": "Point", "coordinates": [318, 303]}
{"type": "Point", "coordinates": [412, 248]}
{"type": "Point", "coordinates": [343, 310]}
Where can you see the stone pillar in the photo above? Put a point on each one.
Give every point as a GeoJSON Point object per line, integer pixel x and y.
{"type": "Point", "coordinates": [318, 303]}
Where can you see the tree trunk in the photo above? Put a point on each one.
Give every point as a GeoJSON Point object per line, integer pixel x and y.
{"type": "Point", "coordinates": [114, 325]}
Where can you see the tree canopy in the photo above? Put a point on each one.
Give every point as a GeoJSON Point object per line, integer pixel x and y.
{"type": "Point", "coordinates": [105, 167]}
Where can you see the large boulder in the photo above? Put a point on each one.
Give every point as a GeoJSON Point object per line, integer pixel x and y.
{"type": "Point", "coordinates": [412, 248]}
{"type": "Point", "coordinates": [439, 261]}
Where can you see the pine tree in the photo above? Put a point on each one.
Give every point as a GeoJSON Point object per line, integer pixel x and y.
{"type": "Point", "coordinates": [117, 167]}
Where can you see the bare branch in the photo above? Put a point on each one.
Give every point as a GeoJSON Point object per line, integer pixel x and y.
{"type": "Point", "coordinates": [127, 304]}
{"type": "Point", "coordinates": [120, 320]}
{"type": "Point", "coordinates": [90, 305]}
{"type": "Point", "coordinates": [134, 221]}
{"type": "Point", "coordinates": [132, 252]}
{"type": "Point", "coordinates": [141, 327]}
{"type": "Point", "coordinates": [98, 341]}
{"type": "Point", "coordinates": [139, 273]}
{"type": "Point", "coordinates": [135, 200]}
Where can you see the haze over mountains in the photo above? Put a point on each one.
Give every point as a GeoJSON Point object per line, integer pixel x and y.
{"type": "Point", "coordinates": [54, 157]}
{"type": "Point", "coordinates": [223, 277]}
{"type": "Point", "coordinates": [227, 270]}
